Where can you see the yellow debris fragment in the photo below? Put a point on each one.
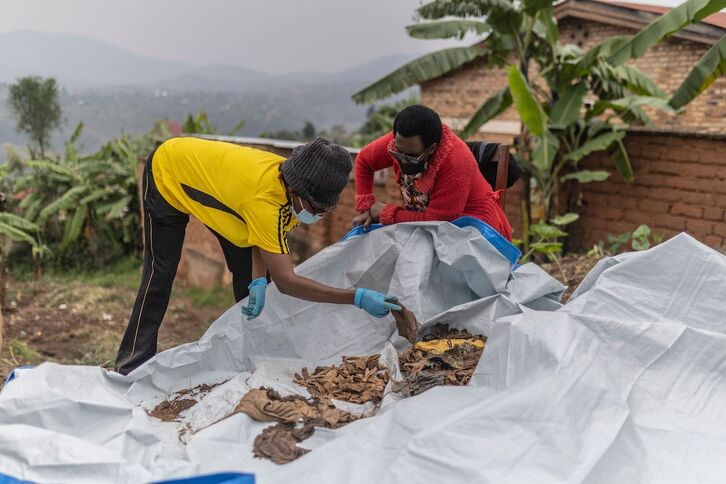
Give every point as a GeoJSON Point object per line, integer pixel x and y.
{"type": "Point", "coordinates": [438, 346]}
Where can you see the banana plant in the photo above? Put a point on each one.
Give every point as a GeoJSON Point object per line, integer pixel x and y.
{"type": "Point", "coordinates": [86, 206]}
{"type": "Point", "coordinates": [575, 103]}
{"type": "Point", "coordinates": [14, 229]}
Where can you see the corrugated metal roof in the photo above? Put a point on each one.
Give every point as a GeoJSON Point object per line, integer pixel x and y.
{"type": "Point", "coordinates": [717, 19]}
{"type": "Point", "coordinates": [273, 143]}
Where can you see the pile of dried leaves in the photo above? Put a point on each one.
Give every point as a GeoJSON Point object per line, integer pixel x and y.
{"type": "Point", "coordinates": [297, 418]}
{"type": "Point", "coordinates": [359, 379]}
{"type": "Point", "coordinates": [444, 357]}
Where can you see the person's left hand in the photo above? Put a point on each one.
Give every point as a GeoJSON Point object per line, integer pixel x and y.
{"type": "Point", "coordinates": [363, 219]}
{"type": "Point", "coordinates": [375, 211]}
{"type": "Point", "coordinates": [256, 301]}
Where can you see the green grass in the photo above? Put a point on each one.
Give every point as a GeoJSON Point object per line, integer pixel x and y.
{"type": "Point", "coordinates": [218, 297]}
{"type": "Point", "coordinates": [21, 352]}
{"type": "Point", "coordinates": [101, 351]}
{"type": "Point", "coordinates": [124, 273]}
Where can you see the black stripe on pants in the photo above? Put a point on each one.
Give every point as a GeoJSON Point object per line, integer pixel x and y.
{"type": "Point", "coordinates": [164, 229]}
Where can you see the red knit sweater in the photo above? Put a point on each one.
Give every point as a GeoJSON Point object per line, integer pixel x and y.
{"type": "Point", "coordinates": [452, 180]}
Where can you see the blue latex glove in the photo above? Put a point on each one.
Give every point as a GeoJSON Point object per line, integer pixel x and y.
{"type": "Point", "coordinates": [375, 303]}
{"type": "Point", "coordinates": [256, 301]}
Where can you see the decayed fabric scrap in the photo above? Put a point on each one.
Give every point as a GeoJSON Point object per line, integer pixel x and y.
{"type": "Point", "coordinates": [266, 405]}
{"type": "Point", "coordinates": [297, 417]}
{"type": "Point", "coordinates": [406, 323]}
{"type": "Point", "coordinates": [446, 357]}
{"type": "Point", "coordinates": [279, 442]}
{"type": "Point", "coordinates": [359, 379]}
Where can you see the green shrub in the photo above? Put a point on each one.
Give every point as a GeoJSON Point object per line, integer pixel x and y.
{"type": "Point", "coordinates": [87, 207]}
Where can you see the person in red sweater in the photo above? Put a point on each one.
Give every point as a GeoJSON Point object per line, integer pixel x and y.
{"type": "Point", "coordinates": [437, 173]}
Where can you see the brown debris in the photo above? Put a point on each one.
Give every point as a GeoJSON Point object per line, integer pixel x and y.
{"type": "Point", "coordinates": [170, 409]}
{"type": "Point", "coordinates": [442, 331]}
{"type": "Point", "coordinates": [279, 443]}
{"type": "Point", "coordinates": [449, 359]}
{"type": "Point", "coordinates": [266, 405]}
{"type": "Point", "coordinates": [406, 323]}
{"type": "Point", "coordinates": [359, 379]}
{"type": "Point", "coordinates": [445, 357]}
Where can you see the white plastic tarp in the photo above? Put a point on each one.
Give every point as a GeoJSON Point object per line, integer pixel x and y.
{"type": "Point", "coordinates": [623, 384]}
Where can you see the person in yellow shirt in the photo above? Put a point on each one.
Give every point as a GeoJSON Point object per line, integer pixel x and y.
{"type": "Point", "coordinates": [250, 199]}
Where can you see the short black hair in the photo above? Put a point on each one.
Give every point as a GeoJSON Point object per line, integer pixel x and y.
{"type": "Point", "coordinates": [418, 120]}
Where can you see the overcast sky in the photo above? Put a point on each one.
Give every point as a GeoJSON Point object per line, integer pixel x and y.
{"type": "Point", "coordinates": [274, 36]}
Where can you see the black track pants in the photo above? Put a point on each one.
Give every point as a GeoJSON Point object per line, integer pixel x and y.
{"type": "Point", "coordinates": [164, 228]}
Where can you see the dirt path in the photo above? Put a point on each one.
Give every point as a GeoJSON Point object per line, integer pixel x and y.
{"type": "Point", "coordinates": [81, 320]}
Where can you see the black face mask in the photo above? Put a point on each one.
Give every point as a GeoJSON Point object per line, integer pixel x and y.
{"type": "Point", "coordinates": [413, 168]}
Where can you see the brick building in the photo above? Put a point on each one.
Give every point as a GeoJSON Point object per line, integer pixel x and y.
{"type": "Point", "coordinates": [679, 165]}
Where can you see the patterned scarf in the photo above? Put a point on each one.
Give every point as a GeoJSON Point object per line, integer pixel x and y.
{"type": "Point", "coordinates": [413, 199]}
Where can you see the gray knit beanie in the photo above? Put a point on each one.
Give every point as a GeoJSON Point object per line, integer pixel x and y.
{"type": "Point", "coordinates": [318, 171]}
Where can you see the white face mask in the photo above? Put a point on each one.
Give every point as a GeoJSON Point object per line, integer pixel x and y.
{"type": "Point", "coordinates": [304, 216]}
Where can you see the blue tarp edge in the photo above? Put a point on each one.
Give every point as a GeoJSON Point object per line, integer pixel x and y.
{"type": "Point", "coordinates": [505, 247]}
{"type": "Point", "coordinates": [219, 478]}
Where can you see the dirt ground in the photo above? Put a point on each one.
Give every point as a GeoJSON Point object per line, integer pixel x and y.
{"type": "Point", "coordinates": [570, 270]}
{"type": "Point", "coordinates": [80, 318]}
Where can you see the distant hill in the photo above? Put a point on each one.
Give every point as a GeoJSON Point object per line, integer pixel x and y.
{"type": "Point", "coordinates": [113, 90]}
{"type": "Point", "coordinates": [79, 61]}
{"type": "Point", "coordinates": [73, 59]}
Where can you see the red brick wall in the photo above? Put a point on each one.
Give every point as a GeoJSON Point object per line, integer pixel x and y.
{"type": "Point", "coordinates": [680, 186]}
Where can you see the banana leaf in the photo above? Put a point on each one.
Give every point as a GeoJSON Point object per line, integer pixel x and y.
{"type": "Point", "coordinates": [622, 161]}
{"type": "Point", "coordinates": [669, 23]}
{"type": "Point", "coordinates": [419, 70]}
{"type": "Point", "coordinates": [709, 68]}
{"type": "Point", "coordinates": [587, 176]}
{"type": "Point", "coordinates": [67, 200]}
{"type": "Point", "coordinates": [566, 110]}
{"type": "Point", "coordinates": [491, 108]}
{"type": "Point", "coordinates": [18, 222]}
{"type": "Point", "coordinates": [446, 29]}
{"type": "Point", "coordinates": [460, 8]}
{"type": "Point", "coordinates": [16, 234]}
{"type": "Point", "coordinates": [529, 109]}
{"type": "Point", "coordinates": [638, 82]}
{"type": "Point", "coordinates": [599, 143]}
{"type": "Point", "coordinates": [73, 227]}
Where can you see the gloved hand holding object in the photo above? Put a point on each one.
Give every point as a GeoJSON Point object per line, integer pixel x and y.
{"type": "Point", "coordinates": [256, 300]}
{"type": "Point", "coordinates": [375, 303]}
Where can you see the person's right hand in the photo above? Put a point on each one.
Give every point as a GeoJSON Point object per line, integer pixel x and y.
{"type": "Point", "coordinates": [363, 219]}
{"type": "Point", "coordinates": [375, 303]}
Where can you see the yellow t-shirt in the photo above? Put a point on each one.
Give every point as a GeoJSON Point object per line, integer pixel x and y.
{"type": "Point", "coordinates": [234, 190]}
